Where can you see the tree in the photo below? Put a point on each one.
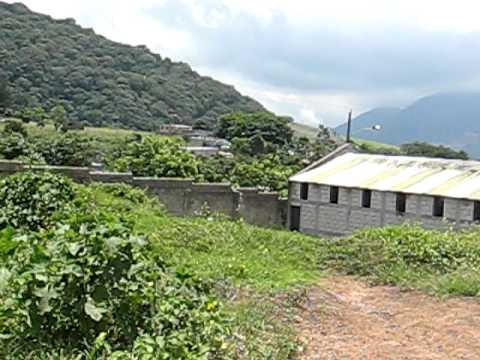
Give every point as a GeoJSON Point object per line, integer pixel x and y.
{"type": "Point", "coordinates": [58, 115]}
{"type": "Point", "coordinates": [216, 169]}
{"type": "Point", "coordinates": [12, 145]}
{"type": "Point", "coordinates": [430, 150]}
{"type": "Point", "coordinates": [66, 150]}
{"type": "Point", "coordinates": [103, 82]}
{"type": "Point", "coordinates": [13, 126]}
{"type": "Point", "coordinates": [272, 129]}
{"type": "Point", "coordinates": [35, 114]}
{"type": "Point", "coordinates": [4, 94]}
{"type": "Point", "coordinates": [156, 156]}
{"type": "Point", "coordinates": [269, 173]}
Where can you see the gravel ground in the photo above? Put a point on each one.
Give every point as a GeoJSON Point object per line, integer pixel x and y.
{"type": "Point", "coordinates": [347, 319]}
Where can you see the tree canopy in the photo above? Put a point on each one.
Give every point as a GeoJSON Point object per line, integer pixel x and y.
{"type": "Point", "coordinates": [51, 62]}
{"type": "Point", "coordinates": [258, 132]}
{"type": "Point", "coordinates": [430, 150]}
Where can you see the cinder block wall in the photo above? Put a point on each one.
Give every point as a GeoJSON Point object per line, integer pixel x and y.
{"type": "Point", "coordinates": [319, 216]}
{"type": "Point", "coordinates": [182, 197]}
{"type": "Point", "coordinates": [262, 209]}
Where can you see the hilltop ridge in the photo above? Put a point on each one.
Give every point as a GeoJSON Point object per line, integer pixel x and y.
{"type": "Point", "coordinates": [104, 83]}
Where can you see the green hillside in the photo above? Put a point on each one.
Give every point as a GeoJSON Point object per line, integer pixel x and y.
{"type": "Point", "coordinates": [304, 130]}
{"type": "Point", "coordinates": [48, 62]}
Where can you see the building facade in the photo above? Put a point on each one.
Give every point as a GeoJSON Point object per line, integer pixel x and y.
{"type": "Point", "coordinates": [347, 191]}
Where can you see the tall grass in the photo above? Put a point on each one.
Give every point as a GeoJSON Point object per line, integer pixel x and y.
{"type": "Point", "coordinates": [443, 262]}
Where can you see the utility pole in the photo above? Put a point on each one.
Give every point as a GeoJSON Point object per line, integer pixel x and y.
{"type": "Point", "coordinates": [349, 126]}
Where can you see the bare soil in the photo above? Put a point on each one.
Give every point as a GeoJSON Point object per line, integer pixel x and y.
{"type": "Point", "coordinates": [347, 319]}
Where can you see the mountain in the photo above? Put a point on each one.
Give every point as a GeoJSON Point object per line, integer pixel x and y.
{"type": "Point", "coordinates": [451, 119]}
{"type": "Point", "coordinates": [48, 62]}
{"type": "Point", "coordinates": [365, 121]}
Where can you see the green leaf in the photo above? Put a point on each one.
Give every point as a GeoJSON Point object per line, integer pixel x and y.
{"type": "Point", "coordinates": [93, 311]}
{"type": "Point", "coordinates": [5, 276]}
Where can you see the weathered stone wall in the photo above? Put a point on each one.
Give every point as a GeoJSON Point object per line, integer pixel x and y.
{"type": "Point", "coordinates": [319, 216]}
{"type": "Point", "coordinates": [182, 197]}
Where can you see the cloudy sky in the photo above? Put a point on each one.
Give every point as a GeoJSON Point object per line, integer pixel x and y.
{"type": "Point", "coordinates": [311, 59]}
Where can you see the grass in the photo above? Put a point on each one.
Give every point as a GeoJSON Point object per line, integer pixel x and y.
{"type": "Point", "coordinates": [376, 147]}
{"type": "Point", "coordinates": [107, 134]}
{"type": "Point", "coordinates": [219, 249]}
{"type": "Point", "coordinates": [259, 271]}
{"type": "Point", "coordinates": [261, 274]}
{"type": "Point", "coordinates": [304, 130]}
{"type": "Point", "coordinates": [438, 262]}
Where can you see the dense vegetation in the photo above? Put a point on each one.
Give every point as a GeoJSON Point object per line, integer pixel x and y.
{"type": "Point", "coordinates": [106, 274]}
{"type": "Point", "coordinates": [104, 278]}
{"type": "Point", "coordinates": [412, 149]}
{"type": "Point", "coordinates": [49, 62]}
{"type": "Point", "coordinates": [429, 150]}
{"type": "Point", "coordinates": [265, 151]}
{"type": "Point", "coordinates": [88, 283]}
{"type": "Point", "coordinates": [441, 262]}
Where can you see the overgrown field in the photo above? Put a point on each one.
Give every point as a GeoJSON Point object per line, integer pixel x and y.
{"type": "Point", "coordinates": [440, 262]}
{"type": "Point", "coordinates": [102, 272]}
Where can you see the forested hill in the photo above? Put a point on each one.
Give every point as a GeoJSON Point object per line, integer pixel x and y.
{"type": "Point", "coordinates": [49, 62]}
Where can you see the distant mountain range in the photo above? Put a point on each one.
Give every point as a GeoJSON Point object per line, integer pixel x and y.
{"type": "Point", "coordinates": [47, 62]}
{"type": "Point", "coordinates": [451, 119]}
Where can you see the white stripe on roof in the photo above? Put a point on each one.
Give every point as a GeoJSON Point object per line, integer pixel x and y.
{"type": "Point", "coordinates": [413, 175]}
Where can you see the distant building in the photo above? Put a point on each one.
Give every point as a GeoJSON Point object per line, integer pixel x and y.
{"type": "Point", "coordinates": [211, 141]}
{"type": "Point", "coordinates": [175, 129]}
{"type": "Point", "coordinates": [346, 191]}
{"type": "Point", "coordinates": [207, 151]}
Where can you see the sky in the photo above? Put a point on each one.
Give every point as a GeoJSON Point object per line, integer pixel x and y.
{"type": "Point", "coordinates": [313, 60]}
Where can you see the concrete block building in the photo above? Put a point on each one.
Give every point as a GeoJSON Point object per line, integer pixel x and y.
{"type": "Point", "coordinates": [346, 191]}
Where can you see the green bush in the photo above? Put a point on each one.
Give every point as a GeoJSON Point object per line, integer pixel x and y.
{"type": "Point", "coordinates": [445, 262]}
{"type": "Point", "coordinates": [135, 195]}
{"type": "Point", "coordinates": [89, 281]}
{"type": "Point", "coordinates": [157, 157]}
{"type": "Point", "coordinates": [28, 200]}
{"type": "Point", "coordinates": [14, 127]}
{"type": "Point", "coordinates": [13, 145]}
{"type": "Point", "coordinates": [66, 150]}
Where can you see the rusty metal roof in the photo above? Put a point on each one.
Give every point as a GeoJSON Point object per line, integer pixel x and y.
{"type": "Point", "coordinates": [411, 175]}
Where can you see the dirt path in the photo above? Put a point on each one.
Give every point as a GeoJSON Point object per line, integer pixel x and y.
{"type": "Point", "coordinates": [346, 319]}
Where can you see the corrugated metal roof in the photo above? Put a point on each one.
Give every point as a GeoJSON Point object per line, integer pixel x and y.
{"type": "Point", "coordinates": [412, 175]}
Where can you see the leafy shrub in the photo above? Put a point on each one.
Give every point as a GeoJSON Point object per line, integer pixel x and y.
{"type": "Point", "coordinates": [408, 255]}
{"type": "Point", "coordinates": [13, 145]}
{"type": "Point", "coordinates": [29, 200]}
{"type": "Point", "coordinates": [155, 156]}
{"type": "Point", "coordinates": [14, 127]}
{"type": "Point", "coordinates": [124, 191]}
{"type": "Point", "coordinates": [268, 173]}
{"type": "Point", "coordinates": [89, 280]}
{"type": "Point", "coordinates": [66, 149]}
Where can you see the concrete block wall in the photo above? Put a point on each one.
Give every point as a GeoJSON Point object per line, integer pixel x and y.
{"type": "Point", "coordinates": [182, 197]}
{"type": "Point", "coordinates": [319, 216]}
{"type": "Point", "coordinates": [172, 192]}
{"type": "Point", "coordinates": [10, 167]}
{"type": "Point", "coordinates": [464, 210]}
{"type": "Point", "coordinates": [217, 198]}
{"type": "Point", "coordinates": [263, 209]}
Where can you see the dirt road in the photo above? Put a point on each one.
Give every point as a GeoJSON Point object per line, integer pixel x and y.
{"type": "Point", "coordinates": [346, 319]}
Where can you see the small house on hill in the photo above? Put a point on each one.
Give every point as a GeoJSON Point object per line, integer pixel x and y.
{"type": "Point", "coordinates": [346, 191]}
